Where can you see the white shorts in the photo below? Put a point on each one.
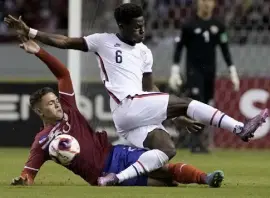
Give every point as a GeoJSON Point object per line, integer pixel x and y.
{"type": "Point", "coordinates": [136, 116]}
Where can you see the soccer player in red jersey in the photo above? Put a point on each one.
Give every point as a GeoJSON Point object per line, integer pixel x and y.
{"type": "Point", "coordinates": [97, 155]}
{"type": "Point", "coordinates": [60, 116]}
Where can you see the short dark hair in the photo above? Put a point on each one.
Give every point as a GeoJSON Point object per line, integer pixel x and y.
{"type": "Point", "coordinates": [126, 12]}
{"type": "Point", "coordinates": [37, 96]}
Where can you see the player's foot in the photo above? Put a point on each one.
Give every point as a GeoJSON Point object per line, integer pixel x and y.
{"type": "Point", "coordinates": [252, 125]}
{"type": "Point", "coordinates": [108, 180]}
{"type": "Point", "coordinates": [215, 179]}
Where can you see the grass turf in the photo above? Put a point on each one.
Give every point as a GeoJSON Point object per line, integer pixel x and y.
{"type": "Point", "coordinates": [246, 175]}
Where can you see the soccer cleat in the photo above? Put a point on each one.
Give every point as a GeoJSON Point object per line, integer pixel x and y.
{"type": "Point", "coordinates": [215, 179]}
{"type": "Point", "coordinates": [108, 180]}
{"type": "Point", "coordinates": [252, 125]}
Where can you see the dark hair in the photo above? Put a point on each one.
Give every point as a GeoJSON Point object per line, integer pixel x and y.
{"type": "Point", "coordinates": [126, 12]}
{"type": "Point", "coordinates": [37, 95]}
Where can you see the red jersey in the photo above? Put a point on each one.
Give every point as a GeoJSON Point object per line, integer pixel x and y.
{"type": "Point", "coordinates": [94, 147]}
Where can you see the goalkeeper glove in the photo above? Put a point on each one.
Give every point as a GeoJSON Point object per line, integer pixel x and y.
{"type": "Point", "coordinates": [175, 80]}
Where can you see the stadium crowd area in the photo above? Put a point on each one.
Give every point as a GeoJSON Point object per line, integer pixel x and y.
{"type": "Point", "coordinates": [49, 15]}
{"type": "Point", "coordinates": [240, 16]}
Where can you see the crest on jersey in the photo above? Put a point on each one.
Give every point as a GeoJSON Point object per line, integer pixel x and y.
{"type": "Point", "coordinates": [198, 31]}
{"type": "Point", "coordinates": [42, 139]}
{"type": "Point", "coordinates": [224, 37]}
{"type": "Point", "coordinates": [214, 29]}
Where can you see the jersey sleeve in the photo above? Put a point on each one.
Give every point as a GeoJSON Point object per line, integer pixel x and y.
{"type": "Point", "coordinates": [93, 42]}
{"type": "Point", "coordinates": [65, 87]}
{"type": "Point", "coordinates": [67, 99]}
{"type": "Point", "coordinates": [36, 159]}
{"type": "Point", "coordinates": [148, 63]}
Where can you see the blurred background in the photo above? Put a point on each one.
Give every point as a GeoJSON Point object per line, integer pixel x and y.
{"type": "Point", "coordinates": [248, 27]}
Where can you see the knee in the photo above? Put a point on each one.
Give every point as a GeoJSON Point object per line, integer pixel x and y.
{"type": "Point", "coordinates": [160, 140]}
{"type": "Point", "coordinates": [171, 153]}
{"type": "Point", "coordinates": [169, 150]}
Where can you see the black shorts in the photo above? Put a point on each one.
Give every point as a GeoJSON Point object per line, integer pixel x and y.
{"type": "Point", "coordinates": [200, 85]}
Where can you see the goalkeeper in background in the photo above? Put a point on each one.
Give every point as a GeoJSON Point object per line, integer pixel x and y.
{"type": "Point", "coordinates": [200, 35]}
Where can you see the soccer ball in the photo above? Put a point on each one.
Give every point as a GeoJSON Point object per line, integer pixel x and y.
{"type": "Point", "coordinates": [63, 149]}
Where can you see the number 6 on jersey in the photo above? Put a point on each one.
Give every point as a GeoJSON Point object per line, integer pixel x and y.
{"type": "Point", "coordinates": [118, 56]}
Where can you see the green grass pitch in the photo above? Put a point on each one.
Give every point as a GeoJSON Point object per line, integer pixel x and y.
{"type": "Point", "coordinates": [247, 174]}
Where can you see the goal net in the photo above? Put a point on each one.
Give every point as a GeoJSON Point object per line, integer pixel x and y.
{"type": "Point", "coordinates": [248, 27]}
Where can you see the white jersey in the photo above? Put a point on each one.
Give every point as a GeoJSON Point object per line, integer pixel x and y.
{"type": "Point", "coordinates": [121, 65]}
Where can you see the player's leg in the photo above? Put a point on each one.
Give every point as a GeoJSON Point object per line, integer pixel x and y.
{"type": "Point", "coordinates": [123, 157]}
{"type": "Point", "coordinates": [162, 149]}
{"type": "Point", "coordinates": [119, 159]}
{"type": "Point", "coordinates": [161, 140]}
{"type": "Point", "coordinates": [137, 162]}
{"type": "Point", "coordinates": [211, 116]}
{"type": "Point", "coordinates": [123, 167]}
{"type": "Point", "coordinates": [187, 174]}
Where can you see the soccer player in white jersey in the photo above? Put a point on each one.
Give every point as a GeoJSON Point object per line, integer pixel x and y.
{"type": "Point", "coordinates": [138, 112]}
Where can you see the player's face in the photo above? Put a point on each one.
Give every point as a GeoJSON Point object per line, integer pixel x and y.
{"type": "Point", "coordinates": [135, 30]}
{"type": "Point", "coordinates": [206, 6]}
{"type": "Point", "coordinates": [50, 107]}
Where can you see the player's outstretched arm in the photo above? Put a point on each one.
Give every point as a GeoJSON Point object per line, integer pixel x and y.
{"type": "Point", "coordinates": [55, 40]}
{"type": "Point", "coordinates": [59, 41]}
{"type": "Point", "coordinates": [57, 68]}
{"type": "Point", "coordinates": [36, 159]}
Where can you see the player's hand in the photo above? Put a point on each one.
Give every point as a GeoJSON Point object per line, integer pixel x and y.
{"type": "Point", "coordinates": [191, 125]}
{"type": "Point", "coordinates": [19, 181]}
{"type": "Point", "coordinates": [29, 46]}
{"type": "Point", "coordinates": [175, 80]}
{"type": "Point", "coordinates": [18, 25]}
{"type": "Point", "coordinates": [234, 78]}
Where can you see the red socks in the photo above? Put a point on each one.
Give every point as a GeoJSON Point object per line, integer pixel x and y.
{"type": "Point", "coordinates": [186, 174]}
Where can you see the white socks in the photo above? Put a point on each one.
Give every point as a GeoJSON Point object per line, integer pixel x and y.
{"type": "Point", "coordinates": [211, 116]}
{"type": "Point", "coordinates": [147, 162]}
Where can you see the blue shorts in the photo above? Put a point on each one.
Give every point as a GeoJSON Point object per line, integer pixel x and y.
{"type": "Point", "coordinates": [120, 158]}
